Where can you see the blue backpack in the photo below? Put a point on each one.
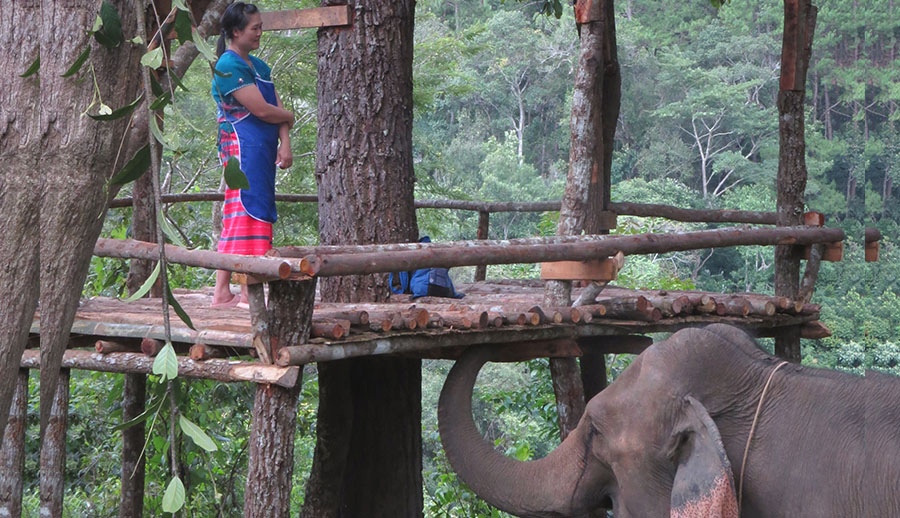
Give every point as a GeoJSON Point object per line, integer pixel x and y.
{"type": "Point", "coordinates": [430, 282]}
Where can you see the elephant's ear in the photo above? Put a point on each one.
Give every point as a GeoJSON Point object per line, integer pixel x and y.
{"type": "Point", "coordinates": [704, 485]}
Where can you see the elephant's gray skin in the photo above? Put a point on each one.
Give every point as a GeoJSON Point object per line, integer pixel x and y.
{"type": "Point", "coordinates": [650, 445]}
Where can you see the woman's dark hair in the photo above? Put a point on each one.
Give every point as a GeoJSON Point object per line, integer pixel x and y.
{"type": "Point", "coordinates": [236, 16]}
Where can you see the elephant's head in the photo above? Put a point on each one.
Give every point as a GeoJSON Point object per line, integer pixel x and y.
{"type": "Point", "coordinates": [645, 447]}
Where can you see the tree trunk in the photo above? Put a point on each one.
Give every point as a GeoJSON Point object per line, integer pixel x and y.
{"type": "Point", "coordinates": [134, 393]}
{"type": "Point", "coordinates": [365, 177]}
{"type": "Point", "coordinates": [20, 150]}
{"type": "Point", "coordinates": [270, 465]}
{"type": "Point", "coordinates": [271, 461]}
{"type": "Point", "coordinates": [53, 450]}
{"type": "Point", "coordinates": [12, 453]}
{"type": "Point", "coordinates": [799, 22]}
{"type": "Point", "coordinates": [79, 154]}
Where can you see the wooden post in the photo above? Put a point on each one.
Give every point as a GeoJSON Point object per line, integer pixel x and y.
{"type": "Point", "coordinates": [271, 461]}
{"type": "Point", "coordinates": [53, 451]}
{"type": "Point", "coordinates": [799, 25]}
{"type": "Point", "coordinates": [131, 500]}
{"type": "Point", "coordinates": [484, 219]}
{"type": "Point", "coordinates": [12, 454]}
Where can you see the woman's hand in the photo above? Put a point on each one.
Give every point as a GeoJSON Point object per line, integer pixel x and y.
{"type": "Point", "coordinates": [285, 157]}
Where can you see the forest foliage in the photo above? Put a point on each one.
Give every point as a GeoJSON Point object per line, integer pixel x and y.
{"type": "Point", "coordinates": [492, 92]}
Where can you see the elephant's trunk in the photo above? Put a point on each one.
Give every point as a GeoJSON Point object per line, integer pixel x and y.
{"type": "Point", "coordinates": [540, 488]}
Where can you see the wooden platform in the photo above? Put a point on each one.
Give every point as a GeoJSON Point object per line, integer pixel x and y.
{"type": "Point", "coordinates": [501, 312]}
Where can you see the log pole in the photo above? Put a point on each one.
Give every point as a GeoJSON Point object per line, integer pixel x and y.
{"type": "Point", "coordinates": [799, 26]}
{"type": "Point", "coordinates": [53, 450]}
{"type": "Point", "coordinates": [643, 210]}
{"type": "Point", "coordinates": [270, 465]}
{"type": "Point", "coordinates": [570, 249]}
{"type": "Point", "coordinates": [265, 267]}
{"type": "Point", "coordinates": [484, 219]}
{"type": "Point", "coordinates": [227, 371]}
{"type": "Point", "coordinates": [12, 453]}
{"type": "Point", "coordinates": [131, 500]}
{"type": "Point", "coordinates": [271, 461]}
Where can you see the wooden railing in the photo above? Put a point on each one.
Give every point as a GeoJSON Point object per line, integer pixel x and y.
{"type": "Point", "coordinates": [485, 208]}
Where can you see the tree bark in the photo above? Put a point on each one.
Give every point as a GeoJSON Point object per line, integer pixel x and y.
{"type": "Point", "coordinates": [134, 393]}
{"type": "Point", "coordinates": [79, 154]}
{"type": "Point", "coordinates": [53, 450]}
{"type": "Point", "coordinates": [799, 23]}
{"type": "Point", "coordinates": [365, 178]}
{"type": "Point", "coordinates": [12, 453]}
{"type": "Point", "coordinates": [19, 188]}
{"type": "Point", "coordinates": [271, 461]}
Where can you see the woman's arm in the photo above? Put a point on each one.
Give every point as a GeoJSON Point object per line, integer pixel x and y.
{"type": "Point", "coordinates": [251, 98]}
{"type": "Point", "coordinates": [285, 156]}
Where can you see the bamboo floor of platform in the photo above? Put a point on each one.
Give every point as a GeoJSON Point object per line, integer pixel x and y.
{"type": "Point", "coordinates": [490, 313]}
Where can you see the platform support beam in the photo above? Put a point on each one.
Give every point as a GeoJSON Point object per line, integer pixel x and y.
{"type": "Point", "coordinates": [271, 461]}
{"type": "Point", "coordinates": [12, 453]}
{"type": "Point", "coordinates": [131, 500]}
{"type": "Point", "coordinates": [53, 452]}
{"type": "Point", "coordinates": [484, 221]}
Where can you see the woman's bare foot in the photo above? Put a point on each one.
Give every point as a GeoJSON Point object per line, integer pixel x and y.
{"type": "Point", "coordinates": [229, 303]}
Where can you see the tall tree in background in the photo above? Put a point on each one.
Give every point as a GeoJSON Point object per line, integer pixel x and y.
{"type": "Point", "coordinates": [369, 409]}
{"type": "Point", "coordinates": [799, 25]}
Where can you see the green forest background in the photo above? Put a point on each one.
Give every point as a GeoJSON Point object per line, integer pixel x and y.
{"type": "Point", "coordinates": [493, 85]}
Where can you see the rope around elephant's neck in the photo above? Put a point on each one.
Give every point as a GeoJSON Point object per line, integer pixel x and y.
{"type": "Point", "coordinates": [762, 397]}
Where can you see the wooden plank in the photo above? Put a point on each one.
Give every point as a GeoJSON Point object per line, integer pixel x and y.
{"type": "Point", "coordinates": [332, 16]}
{"type": "Point", "coordinates": [814, 219]}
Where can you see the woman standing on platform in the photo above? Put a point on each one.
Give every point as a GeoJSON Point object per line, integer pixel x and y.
{"type": "Point", "coordinates": [253, 126]}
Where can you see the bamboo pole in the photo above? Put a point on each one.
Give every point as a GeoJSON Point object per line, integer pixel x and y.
{"type": "Point", "coordinates": [227, 371]}
{"type": "Point", "coordinates": [329, 265]}
{"type": "Point", "coordinates": [265, 267]}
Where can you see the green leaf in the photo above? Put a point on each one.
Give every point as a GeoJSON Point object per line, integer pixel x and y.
{"type": "Point", "coordinates": [161, 101]}
{"type": "Point", "coordinates": [173, 498]}
{"type": "Point", "coordinates": [157, 133]}
{"type": "Point", "coordinates": [234, 176]}
{"type": "Point", "coordinates": [153, 58]}
{"type": "Point", "coordinates": [33, 68]}
{"type": "Point", "coordinates": [166, 363]}
{"type": "Point", "coordinates": [198, 435]}
{"type": "Point", "coordinates": [202, 46]}
{"type": "Point", "coordinates": [137, 40]}
{"type": "Point", "coordinates": [179, 310]}
{"type": "Point", "coordinates": [177, 82]}
{"type": "Point", "coordinates": [118, 113]}
{"type": "Point", "coordinates": [183, 26]}
{"type": "Point", "coordinates": [98, 22]}
{"type": "Point", "coordinates": [110, 32]}
{"type": "Point", "coordinates": [76, 66]}
{"type": "Point", "coordinates": [135, 167]}
{"type": "Point", "coordinates": [140, 418]}
{"type": "Point", "coordinates": [180, 4]}
{"type": "Point", "coordinates": [170, 231]}
{"type": "Point", "coordinates": [155, 87]}
{"type": "Point", "coordinates": [145, 288]}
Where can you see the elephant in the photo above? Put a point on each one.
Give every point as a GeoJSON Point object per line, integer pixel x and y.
{"type": "Point", "coordinates": [667, 439]}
